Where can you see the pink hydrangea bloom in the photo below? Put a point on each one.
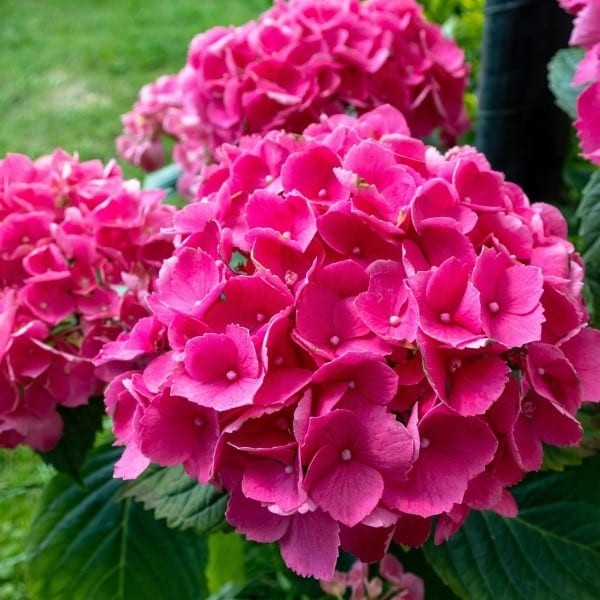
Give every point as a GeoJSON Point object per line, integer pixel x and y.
{"type": "Point", "coordinates": [300, 59]}
{"type": "Point", "coordinates": [586, 33]}
{"type": "Point", "coordinates": [352, 338]}
{"type": "Point", "coordinates": [79, 248]}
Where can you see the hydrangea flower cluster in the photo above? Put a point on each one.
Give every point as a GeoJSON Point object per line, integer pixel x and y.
{"type": "Point", "coordinates": [392, 584]}
{"type": "Point", "coordinates": [358, 334]}
{"type": "Point", "coordinates": [79, 247]}
{"type": "Point", "coordinates": [300, 59]}
{"type": "Point", "coordinates": [586, 33]}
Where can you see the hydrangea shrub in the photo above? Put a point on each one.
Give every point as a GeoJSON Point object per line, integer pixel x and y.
{"type": "Point", "coordinates": [79, 249]}
{"type": "Point", "coordinates": [586, 33]}
{"type": "Point", "coordinates": [356, 334]}
{"type": "Point", "coordinates": [300, 59]}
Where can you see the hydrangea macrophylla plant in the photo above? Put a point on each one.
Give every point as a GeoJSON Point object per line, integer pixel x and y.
{"type": "Point", "coordinates": [79, 248]}
{"type": "Point", "coordinates": [586, 33]}
{"type": "Point", "coordinates": [356, 334]}
{"type": "Point", "coordinates": [300, 59]}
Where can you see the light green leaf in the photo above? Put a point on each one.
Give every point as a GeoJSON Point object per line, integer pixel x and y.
{"type": "Point", "coordinates": [550, 551]}
{"type": "Point", "coordinates": [560, 75]}
{"type": "Point", "coordinates": [225, 561]}
{"type": "Point", "coordinates": [87, 544]}
{"type": "Point", "coordinates": [182, 501]}
{"type": "Point", "coordinates": [166, 179]}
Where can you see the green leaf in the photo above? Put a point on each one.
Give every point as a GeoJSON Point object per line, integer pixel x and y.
{"type": "Point", "coordinates": [560, 75]}
{"type": "Point", "coordinates": [550, 551]}
{"type": "Point", "coordinates": [182, 501]}
{"type": "Point", "coordinates": [80, 427]}
{"type": "Point", "coordinates": [225, 561]}
{"type": "Point", "coordinates": [166, 179]}
{"type": "Point", "coordinates": [557, 458]}
{"type": "Point", "coordinates": [87, 544]}
{"type": "Point", "coordinates": [163, 179]}
{"type": "Point", "coordinates": [588, 212]}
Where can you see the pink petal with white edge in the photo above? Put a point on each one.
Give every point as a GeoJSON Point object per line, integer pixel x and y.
{"type": "Point", "coordinates": [132, 462]}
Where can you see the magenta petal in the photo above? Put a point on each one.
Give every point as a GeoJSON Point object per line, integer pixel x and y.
{"type": "Point", "coordinates": [273, 482]}
{"type": "Point", "coordinates": [254, 521]}
{"type": "Point", "coordinates": [51, 301]}
{"type": "Point", "coordinates": [468, 384]}
{"type": "Point", "coordinates": [173, 430]}
{"type": "Point", "coordinates": [346, 489]}
{"type": "Point", "coordinates": [289, 220]}
{"type": "Point", "coordinates": [185, 282]}
{"type": "Point", "coordinates": [368, 544]}
{"type": "Point", "coordinates": [526, 445]}
{"type": "Point", "coordinates": [583, 353]}
{"type": "Point", "coordinates": [223, 369]}
{"type": "Point", "coordinates": [453, 450]}
{"type": "Point", "coordinates": [310, 545]}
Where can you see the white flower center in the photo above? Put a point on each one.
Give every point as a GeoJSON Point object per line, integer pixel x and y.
{"type": "Point", "coordinates": [493, 307]}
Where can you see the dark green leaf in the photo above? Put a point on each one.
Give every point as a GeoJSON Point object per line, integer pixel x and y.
{"type": "Point", "coordinates": [80, 427]}
{"type": "Point", "coordinates": [560, 75]}
{"type": "Point", "coordinates": [550, 551]}
{"type": "Point", "coordinates": [556, 459]}
{"type": "Point", "coordinates": [183, 502]}
{"type": "Point", "coordinates": [589, 213]}
{"type": "Point", "coordinates": [87, 544]}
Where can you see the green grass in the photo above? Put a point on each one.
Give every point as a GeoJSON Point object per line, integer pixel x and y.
{"type": "Point", "coordinates": [68, 70]}
{"type": "Point", "coordinates": [22, 476]}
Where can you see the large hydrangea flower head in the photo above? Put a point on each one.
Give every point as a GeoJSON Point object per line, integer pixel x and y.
{"type": "Point", "coordinates": [358, 334]}
{"type": "Point", "coordinates": [300, 59]}
{"type": "Point", "coordinates": [79, 248]}
{"type": "Point", "coordinates": [586, 33]}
